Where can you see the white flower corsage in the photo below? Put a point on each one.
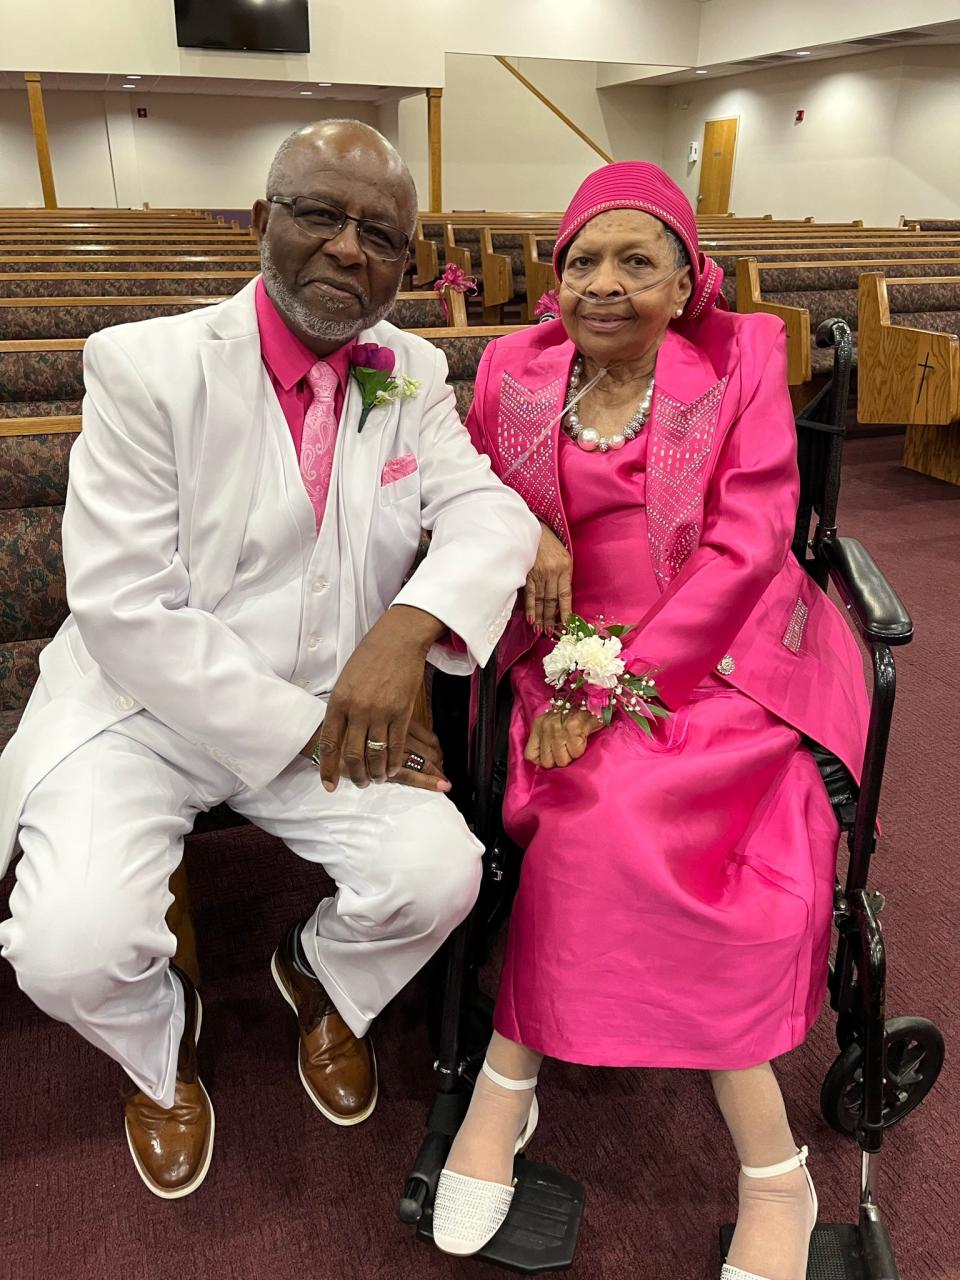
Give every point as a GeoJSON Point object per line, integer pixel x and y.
{"type": "Point", "coordinates": [586, 669]}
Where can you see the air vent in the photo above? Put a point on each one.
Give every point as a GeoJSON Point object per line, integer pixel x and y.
{"type": "Point", "coordinates": [890, 37]}
{"type": "Point", "coordinates": [770, 60]}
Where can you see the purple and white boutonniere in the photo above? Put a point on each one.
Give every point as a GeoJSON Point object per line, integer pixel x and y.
{"type": "Point", "coordinates": [372, 367]}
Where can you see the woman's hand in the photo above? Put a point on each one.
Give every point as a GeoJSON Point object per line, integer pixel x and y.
{"type": "Point", "coordinates": [549, 597]}
{"type": "Point", "coordinates": [554, 742]}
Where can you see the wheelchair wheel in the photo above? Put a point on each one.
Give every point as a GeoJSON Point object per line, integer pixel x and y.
{"type": "Point", "coordinates": [914, 1058]}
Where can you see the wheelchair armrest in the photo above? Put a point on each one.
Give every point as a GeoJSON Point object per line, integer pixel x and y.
{"type": "Point", "coordinates": [877, 609]}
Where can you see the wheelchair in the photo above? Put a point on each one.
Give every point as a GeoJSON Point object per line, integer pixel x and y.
{"type": "Point", "coordinates": [885, 1068]}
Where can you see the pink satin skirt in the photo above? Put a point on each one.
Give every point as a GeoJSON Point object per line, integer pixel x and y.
{"type": "Point", "coordinates": [676, 895]}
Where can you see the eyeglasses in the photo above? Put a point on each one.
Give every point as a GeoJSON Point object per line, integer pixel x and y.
{"type": "Point", "coordinates": [322, 220]}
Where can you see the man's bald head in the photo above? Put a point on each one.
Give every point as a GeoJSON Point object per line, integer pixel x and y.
{"type": "Point", "coordinates": [346, 144]}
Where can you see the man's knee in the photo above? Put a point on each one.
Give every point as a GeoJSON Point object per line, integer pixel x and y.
{"type": "Point", "coordinates": [445, 884]}
{"type": "Point", "coordinates": [73, 951]}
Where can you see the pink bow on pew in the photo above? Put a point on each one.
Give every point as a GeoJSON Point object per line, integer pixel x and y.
{"type": "Point", "coordinates": [454, 278]}
{"type": "Point", "coordinates": [548, 307]}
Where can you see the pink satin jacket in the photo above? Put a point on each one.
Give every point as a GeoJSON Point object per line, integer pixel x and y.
{"type": "Point", "coordinates": [721, 494]}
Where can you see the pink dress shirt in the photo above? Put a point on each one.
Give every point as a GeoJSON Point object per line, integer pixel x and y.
{"type": "Point", "coordinates": [288, 361]}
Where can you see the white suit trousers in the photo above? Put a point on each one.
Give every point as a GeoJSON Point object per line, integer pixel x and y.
{"type": "Point", "coordinates": [102, 833]}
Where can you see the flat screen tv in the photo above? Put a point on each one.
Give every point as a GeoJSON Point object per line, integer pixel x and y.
{"type": "Point", "coordinates": [265, 26]}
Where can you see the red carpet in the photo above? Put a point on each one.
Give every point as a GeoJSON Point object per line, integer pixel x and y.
{"type": "Point", "coordinates": [289, 1196]}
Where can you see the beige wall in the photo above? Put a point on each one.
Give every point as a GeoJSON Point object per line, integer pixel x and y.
{"type": "Point", "coordinates": [876, 136]}
{"type": "Point", "coordinates": [19, 183]}
{"type": "Point", "coordinates": [924, 174]}
{"type": "Point", "coordinates": [215, 151]}
{"type": "Point", "coordinates": [191, 150]}
{"type": "Point", "coordinates": [78, 144]}
{"type": "Point", "coordinates": [503, 149]}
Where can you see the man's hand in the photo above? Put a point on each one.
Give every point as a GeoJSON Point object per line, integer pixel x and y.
{"type": "Point", "coordinates": [422, 742]}
{"type": "Point", "coordinates": [372, 701]}
{"type": "Point", "coordinates": [554, 742]}
{"type": "Point", "coordinates": [548, 597]}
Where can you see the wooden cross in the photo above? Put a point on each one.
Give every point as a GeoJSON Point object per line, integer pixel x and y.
{"type": "Point", "coordinates": [927, 367]}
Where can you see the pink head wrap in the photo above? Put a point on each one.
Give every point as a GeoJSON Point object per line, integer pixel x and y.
{"type": "Point", "coordinates": [632, 184]}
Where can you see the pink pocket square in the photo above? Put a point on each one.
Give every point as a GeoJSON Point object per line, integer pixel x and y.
{"type": "Point", "coordinates": [397, 468]}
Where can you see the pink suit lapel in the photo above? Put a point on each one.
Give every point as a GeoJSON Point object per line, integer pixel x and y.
{"type": "Point", "coordinates": [683, 435]}
{"type": "Point", "coordinates": [528, 451]}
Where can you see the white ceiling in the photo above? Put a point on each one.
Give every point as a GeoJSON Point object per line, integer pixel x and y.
{"type": "Point", "coordinates": [210, 85]}
{"type": "Point", "coordinates": [944, 33]}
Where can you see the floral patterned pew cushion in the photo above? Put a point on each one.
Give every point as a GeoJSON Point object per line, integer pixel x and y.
{"type": "Point", "coordinates": [110, 263]}
{"type": "Point", "coordinates": [33, 470]}
{"type": "Point", "coordinates": [26, 322]}
{"type": "Point", "coordinates": [39, 408]}
{"type": "Point", "coordinates": [33, 598]}
{"type": "Point", "coordinates": [418, 313]}
{"type": "Point", "coordinates": [103, 285]}
{"type": "Point", "coordinates": [41, 375]}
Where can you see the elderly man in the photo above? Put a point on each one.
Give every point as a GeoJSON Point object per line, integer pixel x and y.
{"type": "Point", "coordinates": [243, 511]}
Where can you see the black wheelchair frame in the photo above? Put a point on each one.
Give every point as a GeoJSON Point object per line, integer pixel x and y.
{"type": "Point", "coordinates": [885, 1068]}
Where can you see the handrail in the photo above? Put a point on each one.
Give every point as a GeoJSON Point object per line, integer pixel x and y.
{"type": "Point", "coordinates": [504, 62]}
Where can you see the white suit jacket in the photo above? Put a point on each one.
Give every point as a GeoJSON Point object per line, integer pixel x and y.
{"type": "Point", "coordinates": [170, 461]}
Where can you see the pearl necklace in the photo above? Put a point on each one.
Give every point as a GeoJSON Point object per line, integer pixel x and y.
{"type": "Point", "coordinates": [589, 438]}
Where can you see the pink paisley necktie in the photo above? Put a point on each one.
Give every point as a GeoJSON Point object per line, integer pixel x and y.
{"type": "Point", "coordinates": [319, 436]}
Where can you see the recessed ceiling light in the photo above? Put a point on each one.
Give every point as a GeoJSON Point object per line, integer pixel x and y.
{"type": "Point", "coordinates": [700, 73]}
{"type": "Point", "coordinates": [324, 84]}
{"type": "Point", "coordinates": [129, 86]}
{"type": "Point", "coordinates": [306, 93]}
{"type": "Point", "coordinates": [803, 53]}
{"type": "Point", "coordinates": [134, 77]}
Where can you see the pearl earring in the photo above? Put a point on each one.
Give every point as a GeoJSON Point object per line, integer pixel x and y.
{"type": "Point", "coordinates": [679, 311]}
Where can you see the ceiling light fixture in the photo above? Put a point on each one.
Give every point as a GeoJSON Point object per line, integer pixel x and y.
{"type": "Point", "coordinates": [803, 53]}
{"type": "Point", "coordinates": [306, 93]}
{"type": "Point", "coordinates": [700, 73]}
{"type": "Point", "coordinates": [129, 86]}
{"type": "Point", "coordinates": [324, 84]}
{"type": "Point", "coordinates": [134, 77]}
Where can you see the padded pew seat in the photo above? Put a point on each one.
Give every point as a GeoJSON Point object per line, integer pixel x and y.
{"type": "Point", "coordinates": [62, 319]}
{"type": "Point", "coordinates": [58, 284]}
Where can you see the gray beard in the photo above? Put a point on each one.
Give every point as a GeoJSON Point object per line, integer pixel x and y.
{"type": "Point", "coordinates": [326, 328]}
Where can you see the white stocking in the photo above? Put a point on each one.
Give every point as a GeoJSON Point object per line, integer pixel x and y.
{"type": "Point", "coordinates": [484, 1145]}
{"type": "Point", "coordinates": [776, 1214]}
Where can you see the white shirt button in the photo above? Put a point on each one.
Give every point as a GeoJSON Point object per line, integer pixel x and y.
{"type": "Point", "coordinates": [313, 642]}
{"type": "Point", "coordinates": [303, 682]}
{"type": "Point", "coordinates": [320, 584]}
{"type": "Point", "coordinates": [124, 703]}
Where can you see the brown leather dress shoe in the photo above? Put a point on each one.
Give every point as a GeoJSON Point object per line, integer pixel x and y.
{"type": "Point", "coordinates": [338, 1071]}
{"type": "Point", "coordinates": [172, 1147]}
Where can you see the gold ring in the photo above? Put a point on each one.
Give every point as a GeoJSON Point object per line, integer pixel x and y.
{"type": "Point", "coordinates": [376, 746]}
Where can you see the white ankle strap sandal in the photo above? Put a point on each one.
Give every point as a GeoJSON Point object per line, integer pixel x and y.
{"type": "Point", "coordinates": [799, 1161]}
{"type": "Point", "coordinates": [468, 1212]}
{"type": "Point", "coordinates": [504, 1081]}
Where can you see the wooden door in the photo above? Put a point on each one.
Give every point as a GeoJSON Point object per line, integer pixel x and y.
{"type": "Point", "coordinates": [716, 165]}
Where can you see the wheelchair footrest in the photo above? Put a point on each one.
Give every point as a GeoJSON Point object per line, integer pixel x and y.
{"type": "Point", "coordinates": [835, 1252]}
{"type": "Point", "coordinates": [540, 1233]}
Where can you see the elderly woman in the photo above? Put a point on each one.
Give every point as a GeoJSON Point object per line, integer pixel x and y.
{"type": "Point", "coordinates": [675, 900]}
